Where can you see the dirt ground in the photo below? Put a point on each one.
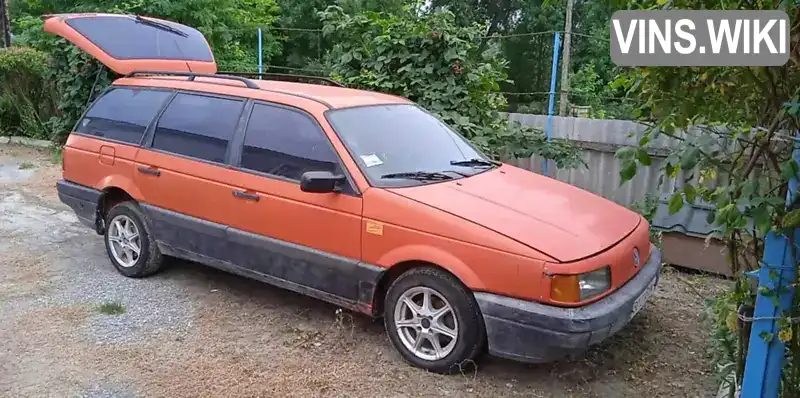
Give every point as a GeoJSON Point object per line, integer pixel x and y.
{"type": "Point", "coordinates": [191, 331]}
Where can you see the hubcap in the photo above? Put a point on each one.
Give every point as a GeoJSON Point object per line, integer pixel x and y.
{"type": "Point", "coordinates": [426, 323]}
{"type": "Point", "coordinates": [123, 239]}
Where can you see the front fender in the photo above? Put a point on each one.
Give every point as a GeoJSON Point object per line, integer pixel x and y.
{"type": "Point", "coordinates": [434, 255]}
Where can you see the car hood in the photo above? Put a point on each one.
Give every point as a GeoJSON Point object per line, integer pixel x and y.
{"type": "Point", "coordinates": [555, 218]}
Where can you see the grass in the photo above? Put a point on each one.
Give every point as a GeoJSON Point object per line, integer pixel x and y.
{"type": "Point", "coordinates": [26, 165]}
{"type": "Point", "coordinates": [56, 155]}
{"type": "Point", "coordinates": [111, 308]}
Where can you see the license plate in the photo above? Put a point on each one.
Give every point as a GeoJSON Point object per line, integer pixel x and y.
{"type": "Point", "coordinates": [640, 301]}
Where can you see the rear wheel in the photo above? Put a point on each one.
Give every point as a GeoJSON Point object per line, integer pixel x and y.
{"type": "Point", "coordinates": [129, 244]}
{"type": "Point", "coordinates": [433, 321]}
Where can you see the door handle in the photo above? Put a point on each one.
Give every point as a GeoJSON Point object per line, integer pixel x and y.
{"type": "Point", "coordinates": [245, 195]}
{"type": "Point", "coordinates": [149, 170]}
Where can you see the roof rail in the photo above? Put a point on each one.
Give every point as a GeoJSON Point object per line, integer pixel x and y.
{"type": "Point", "coordinates": [191, 75]}
{"type": "Point", "coordinates": [289, 78]}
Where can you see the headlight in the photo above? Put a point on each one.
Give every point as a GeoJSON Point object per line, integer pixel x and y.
{"type": "Point", "coordinates": [594, 283]}
{"type": "Point", "coordinates": [580, 287]}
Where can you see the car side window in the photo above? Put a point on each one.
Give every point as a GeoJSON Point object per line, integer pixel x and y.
{"type": "Point", "coordinates": [286, 143]}
{"type": "Point", "coordinates": [122, 114]}
{"type": "Point", "coordinates": [198, 126]}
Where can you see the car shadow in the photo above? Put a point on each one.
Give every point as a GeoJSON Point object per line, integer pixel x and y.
{"type": "Point", "coordinates": [632, 346]}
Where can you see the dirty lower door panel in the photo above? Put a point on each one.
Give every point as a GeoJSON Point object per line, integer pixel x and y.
{"type": "Point", "coordinates": [308, 268]}
{"type": "Point", "coordinates": [185, 236]}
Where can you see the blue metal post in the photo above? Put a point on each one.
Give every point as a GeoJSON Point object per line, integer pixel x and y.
{"type": "Point", "coordinates": [762, 372]}
{"type": "Point", "coordinates": [552, 104]}
{"type": "Point", "coordinates": [260, 60]}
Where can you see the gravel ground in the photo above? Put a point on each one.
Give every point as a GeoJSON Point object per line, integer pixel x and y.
{"type": "Point", "coordinates": [191, 331]}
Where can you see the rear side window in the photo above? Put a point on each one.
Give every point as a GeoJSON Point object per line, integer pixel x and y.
{"type": "Point", "coordinates": [198, 126]}
{"type": "Point", "coordinates": [286, 143]}
{"type": "Point", "coordinates": [125, 38]}
{"type": "Point", "coordinates": [122, 114]}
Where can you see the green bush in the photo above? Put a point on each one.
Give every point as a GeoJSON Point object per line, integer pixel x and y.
{"type": "Point", "coordinates": [228, 25]}
{"type": "Point", "coordinates": [75, 76]}
{"type": "Point", "coordinates": [27, 96]}
{"type": "Point", "coordinates": [442, 67]}
{"type": "Point", "coordinates": [647, 207]}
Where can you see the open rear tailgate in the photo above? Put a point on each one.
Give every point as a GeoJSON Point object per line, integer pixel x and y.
{"type": "Point", "coordinates": [127, 43]}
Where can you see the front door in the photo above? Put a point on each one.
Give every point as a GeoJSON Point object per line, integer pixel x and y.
{"type": "Point", "coordinates": [312, 240]}
{"type": "Point", "coordinates": [127, 43]}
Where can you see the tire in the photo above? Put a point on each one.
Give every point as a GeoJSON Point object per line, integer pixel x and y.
{"type": "Point", "coordinates": [149, 259]}
{"type": "Point", "coordinates": [470, 331]}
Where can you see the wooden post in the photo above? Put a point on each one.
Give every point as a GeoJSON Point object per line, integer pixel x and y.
{"type": "Point", "coordinates": [564, 98]}
{"type": "Point", "coordinates": [5, 26]}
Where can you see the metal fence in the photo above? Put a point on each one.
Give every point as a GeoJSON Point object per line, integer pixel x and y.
{"type": "Point", "coordinates": [599, 140]}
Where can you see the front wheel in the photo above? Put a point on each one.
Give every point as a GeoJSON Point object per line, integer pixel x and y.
{"type": "Point", "coordinates": [434, 321]}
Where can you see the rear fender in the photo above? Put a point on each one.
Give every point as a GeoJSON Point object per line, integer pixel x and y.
{"type": "Point", "coordinates": [121, 182]}
{"type": "Point", "coordinates": [113, 181]}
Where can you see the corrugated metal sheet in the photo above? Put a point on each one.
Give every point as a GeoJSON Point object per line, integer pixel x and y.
{"type": "Point", "coordinates": [600, 140]}
{"type": "Point", "coordinates": [601, 177]}
{"type": "Point", "coordinates": [689, 220]}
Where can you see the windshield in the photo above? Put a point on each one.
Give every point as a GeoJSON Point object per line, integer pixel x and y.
{"type": "Point", "coordinates": [401, 145]}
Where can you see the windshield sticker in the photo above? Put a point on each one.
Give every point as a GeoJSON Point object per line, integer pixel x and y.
{"type": "Point", "coordinates": [371, 160]}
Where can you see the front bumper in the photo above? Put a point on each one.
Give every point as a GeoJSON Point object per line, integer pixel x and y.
{"type": "Point", "coordinates": [533, 332]}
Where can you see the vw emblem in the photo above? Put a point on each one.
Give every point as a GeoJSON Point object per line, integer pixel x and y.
{"type": "Point", "coordinates": [635, 257]}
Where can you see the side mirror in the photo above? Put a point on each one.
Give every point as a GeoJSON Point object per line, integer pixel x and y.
{"type": "Point", "coordinates": [320, 182]}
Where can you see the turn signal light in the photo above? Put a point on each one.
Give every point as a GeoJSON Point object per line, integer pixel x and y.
{"type": "Point", "coordinates": [565, 288]}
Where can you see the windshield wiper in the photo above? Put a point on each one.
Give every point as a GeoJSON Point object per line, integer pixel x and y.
{"type": "Point", "coordinates": [159, 25]}
{"type": "Point", "coordinates": [419, 175]}
{"type": "Point", "coordinates": [474, 162]}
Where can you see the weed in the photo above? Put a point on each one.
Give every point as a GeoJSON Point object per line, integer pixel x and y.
{"type": "Point", "coordinates": [112, 308]}
{"type": "Point", "coordinates": [57, 155]}
{"type": "Point", "coordinates": [647, 208]}
{"type": "Point", "coordinates": [26, 165]}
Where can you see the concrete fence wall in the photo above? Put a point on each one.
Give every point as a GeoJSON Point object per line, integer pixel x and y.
{"type": "Point", "coordinates": [599, 139]}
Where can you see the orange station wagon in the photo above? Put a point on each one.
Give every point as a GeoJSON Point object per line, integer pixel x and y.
{"type": "Point", "coordinates": [357, 198]}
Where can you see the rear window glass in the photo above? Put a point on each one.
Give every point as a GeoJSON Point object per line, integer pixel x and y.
{"type": "Point", "coordinates": [126, 38]}
{"type": "Point", "coordinates": [198, 126]}
{"type": "Point", "coordinates": [122, 114]}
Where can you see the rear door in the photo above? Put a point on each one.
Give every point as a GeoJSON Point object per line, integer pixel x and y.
{"type": "Point", "coordinates": [127, 43]}
{"type": "Point", "coordinates": [182, 173]}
